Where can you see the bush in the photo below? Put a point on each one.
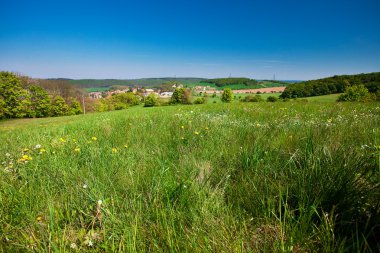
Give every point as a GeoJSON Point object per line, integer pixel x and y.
{"type": "Point", "coordinates": [151, 100]}
{"type": "Point", "coordinates": [227, 95]}
{"type": "Point", "coordinates": [272, 99]}
{"type": "Point", "coordinates": [251, 98]}
{"type": "Point", "coordinates": [357, 93]}
{"type": "Point", "coordinates": [200, 101]}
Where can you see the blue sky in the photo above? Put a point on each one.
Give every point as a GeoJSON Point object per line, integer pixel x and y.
{"type": "Point", "coordinates": [134, 39]}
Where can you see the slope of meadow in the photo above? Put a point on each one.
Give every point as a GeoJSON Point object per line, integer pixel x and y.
{"type": "Point", "coordinates": [242, 177]}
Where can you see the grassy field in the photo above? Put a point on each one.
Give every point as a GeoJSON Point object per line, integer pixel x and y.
{"type": "Point", "coordinates": [239, 177]}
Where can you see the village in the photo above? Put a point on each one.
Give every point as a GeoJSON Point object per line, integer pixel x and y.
{"type": "Point", "coordinates": [167, 94]}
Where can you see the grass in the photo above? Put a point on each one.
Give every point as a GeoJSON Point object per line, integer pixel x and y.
{"type": "Point", "coordinates": [239, 177]}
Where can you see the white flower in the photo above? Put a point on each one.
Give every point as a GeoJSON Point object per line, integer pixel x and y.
{"type": "Point", "coordinates": [100, 202]}
{"type": "Point", "coordinates": [84, 186]}
{"type": "Point", "coordinates": [90, 244]}
{"type": "Point", "coordinates": [38, 146]}
{"type": "Point", "coordinates": [7, 155]}
{"type": "Point", "coordinates": [73, 245]}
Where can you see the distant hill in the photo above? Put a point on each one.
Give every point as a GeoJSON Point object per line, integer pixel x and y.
{"type": "Point", "coordinates": [143, 82]}
{"type": "Point", "coordinates": [332, 85]}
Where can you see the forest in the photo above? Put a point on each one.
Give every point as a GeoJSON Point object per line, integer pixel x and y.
{"type": "Point", "coordinates": [332, 85]}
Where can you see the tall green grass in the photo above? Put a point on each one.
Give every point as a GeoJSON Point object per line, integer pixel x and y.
{"type": "Point", "coordinates": [241, 177]}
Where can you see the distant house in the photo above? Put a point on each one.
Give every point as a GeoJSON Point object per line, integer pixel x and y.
{"type": "Point", "coordinates": [166, 94]}
{"type": "Point", "coordinates": [95, 95]}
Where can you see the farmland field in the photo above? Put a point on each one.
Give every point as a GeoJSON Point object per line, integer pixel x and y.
{"type": "Point", "coordinates": [239, 177]}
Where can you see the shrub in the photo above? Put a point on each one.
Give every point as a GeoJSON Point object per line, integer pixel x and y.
{"type": "Point", "coordinates": [227, 95]}
{"type": "Point", "coordinates": [200, 101]}
{"type": "Point", "coordinates": [355, 93]}
{"type": "Point", "coordinates": [272, 99]}
{"type": "Point", "coordinates": [151, 100]}
{"type": "Point", "coordinates": [251, 98]}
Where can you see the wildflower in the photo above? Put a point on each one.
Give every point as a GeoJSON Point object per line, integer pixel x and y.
{"type": "Point", "coordinates": [329, 120]}
{"type": "Point", "coordinates": [99, 202]}
{"type": "Point", "coordinates": [77, 150]}
{"type": "Point", "coordinates": [125, 146]}
{"type": "Point", "coordinates": [39, 218]}
{"type": "Point", "coordinates": [94, 138]}
{"type": "Point", "coordinates": [26, 150]}
{"type": "Point", "coordinates": [114, 150]}
{"type": "Point", "coordinates": [196, 133]}
{"type": "Point", "coordinates": [182, 127]}
{"type": "Point", "coordinates": [42, 150]}
{"type": "Point", "coordinates": [26, 157]}
{"type": "Point", "coordinates": [258, 125]}
{"type": "Point", "coordinates": [73, 245]}
{"type": "Point", "coordinates": [206, 128]}
{"type": "Point", "coordinates": [7, 155]}
{"type": "Point", "coordinates": [62, 140]}
{"type": "Point", "coordinates": [38, 146]}
{"type": "Point", "coordinates": [90, 244]}
{"type": "Point", "coordinates": [84, 186]}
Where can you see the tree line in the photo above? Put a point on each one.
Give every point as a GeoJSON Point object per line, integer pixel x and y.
{"type": "Point", "coordinates": [332, 85]}
{"type": "Point", "coordinates": [23, 97]}
{"type": "Point", "coordinates": [220, 82]}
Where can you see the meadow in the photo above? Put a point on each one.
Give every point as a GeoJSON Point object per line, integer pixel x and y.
{"type": "Point", "coordinates": [238, 177]}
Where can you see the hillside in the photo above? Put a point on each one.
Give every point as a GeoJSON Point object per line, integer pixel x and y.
{"type": "Point", "coordinates": [93, 83]}
{"type": "Point", "coordinates": [239, 177]}
{"type": "Point", "coordinates": [332, 85]}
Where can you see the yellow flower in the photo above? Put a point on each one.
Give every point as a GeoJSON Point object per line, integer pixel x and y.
{"type": "Point", "coordinates": [26, 149]}
{"type": "Point", "coordinates": [42, 150]}
{"type": "Point", "coordinates": [94, 138]}
{"type": "Point", "coordinates": [77, 150]}
{"type": "Point", "coordinates": [114, 150]}
{"type": "Point", "coordinates": [39, 218]}
{"type": "Point", "coordinates": [182, 127]}
{"type": "Point", "coordinates": [206, 128]}
{"type": "Point", "coordinates": [62, 140]}
{"type": "Point", "coordinates": [125, 146]}
{"type": "Point", "coordinates": [26, 157]}
{"type": "Point", "coordinates": [196, 133]}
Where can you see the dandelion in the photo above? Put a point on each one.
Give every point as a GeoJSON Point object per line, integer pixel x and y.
{"type": "Point", "coordinates": [196, 133]}
{"type": "Point", "coordinates": [77, 150]}
{"type": "Point", "coordinates": [62, 140]}
{"type": "Point", "coordinates": [39, 218]}
{"type": "Point", "coordinates": [26, 150]}
{"type": "Point", "coordinates": [38, 146]}
{"type": "Point", "coordinates": [26, 157]}
{"type": "Point", "coordinates": [125, 146]}
{"type": "Point", "coordinates": [42, 150]}
{"type": "Point", "coordinates": [114, 150]}
{"type": "Point", "coordinates": [94, 138]}
{"type": "Point", "coordinates": [73, 245]}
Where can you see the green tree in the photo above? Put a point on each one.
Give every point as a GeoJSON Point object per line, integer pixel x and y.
{"type": "Point", "coordinates": [227, 95]}
{"type": "Point", "coordinates": [355, 93]}
{"type": "Point", "coordinates": [177, 96]}
{"type": "Point", "coordinates": [16, 99]}
{"type": "Point", "coordinates": [40, 101]}
{"type": "Point", "coordinates": [75, 107]}
{"type": "Point", "coordinates": [151, 100]}
{"type": "Point", "coordinates": [59, 107]}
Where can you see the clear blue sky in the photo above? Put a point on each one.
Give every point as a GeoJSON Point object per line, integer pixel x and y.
{"type": "Point", "coordinates": [198, 38]}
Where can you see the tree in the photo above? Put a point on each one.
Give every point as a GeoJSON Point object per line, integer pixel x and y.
{"type": "Point", "coordinates": [58, 107]}
{"type": "Point", "coordinates": [151, 100]}
{"type": "Point", "coordinates": [227, 95]}
{"type": "Point", "coordinates": [75, 107]}
{"type": "Point", "coordinates": [16, 99]}
{"type": "Point", "coordinates": [177, 96]}
{"type": "Point", "coordinates": [40, 101]}
{"type": "Point", "coordinates": [355, 93]}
